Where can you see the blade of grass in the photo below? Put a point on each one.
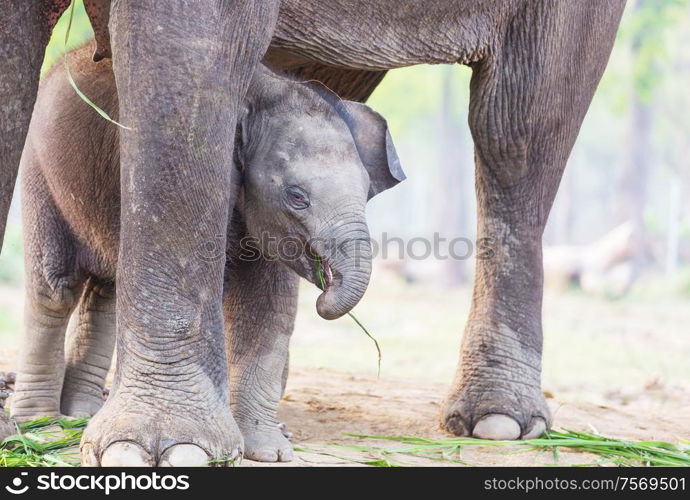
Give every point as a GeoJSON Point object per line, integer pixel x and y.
{"type": "Point", "coordinates": [322, 283]}
{"type": "Point", "coordinates": [382, 461]}
{"type": "Point", "coordinates": [617, 451]}
{"type": "Point", "coordinates": [73, 83]}
{"type": "Point", "coordinates": [376, 343]}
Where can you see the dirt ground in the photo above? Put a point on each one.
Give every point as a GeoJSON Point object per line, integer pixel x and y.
{"type": "Point", "coordinates": [617, 368]}
{"type": "Point", "coordinates": [320, 406]}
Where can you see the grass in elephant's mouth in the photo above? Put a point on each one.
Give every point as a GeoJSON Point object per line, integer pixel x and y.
{"type": "Point", "coordinates": [322, 285]}
{"type": "Point", "coordinates": [611, 451]}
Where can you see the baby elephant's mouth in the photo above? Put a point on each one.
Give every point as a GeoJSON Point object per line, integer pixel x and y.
{"type": "Point", "coordinates": [342, 280]}
{"type": "Point", "coordinates": [323, 272]}
{"type": "Point", "coordinates": [326, 272]}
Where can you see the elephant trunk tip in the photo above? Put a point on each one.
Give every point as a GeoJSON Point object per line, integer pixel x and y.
{"type": "Point", "coordinates": [343, 274]}
{"type": "Point", "coordinates": [329, 307]}
{"type": "Point", "coordinates": [343, 292]}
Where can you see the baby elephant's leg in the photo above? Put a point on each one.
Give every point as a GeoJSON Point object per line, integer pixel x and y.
{"type": "Point", "coordinates": [41, 358]}
{"type": "Point", "coordinates": [89, 350]}
{"type": "Point", "coordinates": [260, 308]}
{"type": "Point", "coordinates": [52, 289]}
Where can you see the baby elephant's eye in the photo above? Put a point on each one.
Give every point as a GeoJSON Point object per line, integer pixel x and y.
{"type": "Point", "coordinates": [297, 198]}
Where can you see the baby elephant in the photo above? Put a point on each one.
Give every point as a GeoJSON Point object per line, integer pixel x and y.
{"type": "Point", "coordinates": [305, 165]}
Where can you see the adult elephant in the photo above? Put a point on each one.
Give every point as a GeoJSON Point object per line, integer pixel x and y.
{"type": "Point", "coordinates": [536, 64]}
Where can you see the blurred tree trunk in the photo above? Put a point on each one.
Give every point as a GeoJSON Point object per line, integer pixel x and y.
{"type": "Point", "coordinates": [677, 157]}
{"type": "Point", "coordinates": [632, 190]}
{"type": "Point", "coordinates": [452, 207]}
{"type": "Point", "coordinates": [633, 182]}
{"type": "Point", "coordinates": [673, 226]}
{"type": "Point", "coordinates": [563, 217]}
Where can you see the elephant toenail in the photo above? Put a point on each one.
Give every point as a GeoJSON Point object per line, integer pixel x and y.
{"type": "Point", "coordinates": [456, 425]}
{"type": "Point", "coordinates": [184, 455]}
{"type": "Point", "coordinates": [538, 428]}
{"type": "Point", "coordinates": [497, 427]}
{"type": "Point", "coordinates": [126, 454]}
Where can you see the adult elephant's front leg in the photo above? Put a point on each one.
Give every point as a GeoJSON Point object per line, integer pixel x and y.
{"type": "Point", "coordinates": [528, 100]}
{"type": "Point", "coordinates": [181, 70]}
{"type": "Point", "coordinates": [24, 33]}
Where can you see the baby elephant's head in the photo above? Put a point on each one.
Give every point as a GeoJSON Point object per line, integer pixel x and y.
{"type": "Point", "coordinates": [310, 162]}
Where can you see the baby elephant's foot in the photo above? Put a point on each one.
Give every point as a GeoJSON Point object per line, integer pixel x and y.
{"type": "Point", "coordinates": [82, 390]}
{"type": "Point", "coordinates": [6, 426]}
{"type": "Point", "coordinates": [26, 406]}
{"type": "Point", "coordinates": [24, 415]}
{"type": "Point", "coordinates": [80, 405]}
{"type": "Point", "coordinates": [267, 444]}
{"type": "Point", "coordinates": [284, 430]}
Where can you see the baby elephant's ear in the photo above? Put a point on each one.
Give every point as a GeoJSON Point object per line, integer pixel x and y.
{"type": "Point", "coordinates": [375, 146]}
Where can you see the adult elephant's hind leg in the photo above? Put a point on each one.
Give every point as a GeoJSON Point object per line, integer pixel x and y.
{"type": "Point", "coordinates": [182, 69]}
{"type": "Point", "coordinates": [528, 100]}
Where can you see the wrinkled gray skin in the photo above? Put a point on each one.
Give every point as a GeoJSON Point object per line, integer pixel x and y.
{"type": "Point", "coordinates": [536, 65]}
{"type": "Point", "coordinates": [291, 136]}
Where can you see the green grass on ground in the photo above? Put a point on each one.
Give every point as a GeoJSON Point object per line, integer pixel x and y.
{"type": "Point", "coordinates": [611, 451]}
{"type": "Point", "coordinates": [52, 442]}
{"type": "Point", "coordinates": [46, 442]}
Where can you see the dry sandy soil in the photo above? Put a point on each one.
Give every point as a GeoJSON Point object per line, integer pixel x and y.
{"type": "Point", "coordinates": [321, 407]}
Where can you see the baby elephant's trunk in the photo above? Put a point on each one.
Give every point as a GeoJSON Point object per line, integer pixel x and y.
{"type": "Point", "coordinates": [347, 267]}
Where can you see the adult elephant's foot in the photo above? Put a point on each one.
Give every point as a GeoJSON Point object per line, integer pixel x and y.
{"type": "Point", "coordinates": [500, 412]}
{"type": "Point", "coordinates": [265, 443]}
{"type": "Point", "coordinates": [497, 391]}
{"type": "Point", "coordinates": [131, 432]}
